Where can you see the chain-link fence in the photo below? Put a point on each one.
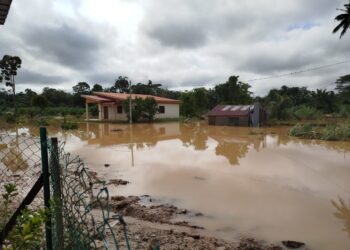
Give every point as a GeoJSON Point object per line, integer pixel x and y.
{"type": "Point", "coordinates": [20, 163]}
{"type": "Point", "coordinates": [79, 215]}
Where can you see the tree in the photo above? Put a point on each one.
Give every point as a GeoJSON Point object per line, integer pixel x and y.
{"type": "Point", "coordinates": [154, 88]}
{"type": "Point", "coordinates": [344, 20]}
{"type": "Point", "coordinates": [81, 88]}
{"type": "Point", "coordinates": [233, 92]}
{"type": "Point", "coordinates": [57, 97]}
{"type": "Point", "coordinates": [324, 100]}
{"type": "Point", "coordinates": [277, 104]}
{"type": "Point", "coordinates": [121, 85]}
{"type": "Point", "coordinates": [343, 87]}
{"type": "Point", "coordinates": [136, 110]}
{"type": "Point", "coordinates": [141, 88]}
{"type": "Point", "coordinates": [97, 88]}
{"type": "Point", "coordinates": [9, 66]}
{"type": "Point", "coordinates": [200, 100]}
{"type": "Point", "coordinates": [150, 108]}
{"type": "Point", "coordinates": [187, 105]}
{"type": "Point", "coordinates": [40, 102]}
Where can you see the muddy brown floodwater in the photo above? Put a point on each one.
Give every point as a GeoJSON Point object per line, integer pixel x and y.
{"type": "Point", "coordinates": [252, 182]}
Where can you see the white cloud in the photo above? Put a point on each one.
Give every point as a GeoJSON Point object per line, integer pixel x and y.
{"type": "Point", "coordinates": [177, 43]}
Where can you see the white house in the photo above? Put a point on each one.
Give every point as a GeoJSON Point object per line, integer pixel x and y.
{"type": "Point", "coordinates": [110, 105]}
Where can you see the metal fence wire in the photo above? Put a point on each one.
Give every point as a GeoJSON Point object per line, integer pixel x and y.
{"type": "Point", "coordinates": [20, 164]}
{"type": "Point", "coordinates": [79, 202]}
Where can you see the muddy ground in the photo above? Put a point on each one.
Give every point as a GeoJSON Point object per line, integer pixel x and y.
{"type": "Point", "coordinates": [150, 225]}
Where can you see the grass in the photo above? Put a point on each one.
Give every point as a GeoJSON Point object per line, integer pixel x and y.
{"type": "Point", "coordinates": [331, 132]}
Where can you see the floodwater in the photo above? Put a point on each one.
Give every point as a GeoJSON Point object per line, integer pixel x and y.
{"type": "Point", "coordinates": [245, 181]}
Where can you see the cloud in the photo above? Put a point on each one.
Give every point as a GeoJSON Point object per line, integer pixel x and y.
{"type": "Point", "coordinates": [64, 44]}
{"type": "Point", "coordinates": [177, 43]}
{"type": "Point", "coordinates": [179, 35]}
{"type": "Point", "coordinates": [33, 78]}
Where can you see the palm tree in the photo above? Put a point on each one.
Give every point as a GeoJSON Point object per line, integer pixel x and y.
{"type": "Point", "coordinates": [344, 20]}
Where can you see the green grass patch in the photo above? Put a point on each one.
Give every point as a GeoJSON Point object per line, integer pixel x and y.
{"type": "Point", "coordinates": [331, 132]}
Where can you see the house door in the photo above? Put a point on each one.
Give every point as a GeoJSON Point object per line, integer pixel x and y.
{"type": "Point", "coordinates": [105, 112]}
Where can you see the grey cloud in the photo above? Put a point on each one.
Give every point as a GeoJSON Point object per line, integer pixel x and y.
{"type": "Point", "coordinates": [179, 35]}
{"type": "Point", "coordinates": [64, 44]}
{"type": "Point", "coordinates": [30, 77]}
{"type": "Point", "coordinates": [106, 79]}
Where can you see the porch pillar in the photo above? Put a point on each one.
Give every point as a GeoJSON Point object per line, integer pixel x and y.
{"type": "Point", "coordinates": [87, 110]}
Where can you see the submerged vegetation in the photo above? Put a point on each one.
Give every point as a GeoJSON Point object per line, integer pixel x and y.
{"type": "Point", "coordinates": [331, 132]}
{"type": "Point", "coordinates": [69, 125]}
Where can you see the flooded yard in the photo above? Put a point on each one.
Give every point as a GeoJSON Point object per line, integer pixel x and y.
{"type": "Point", "coordinates": [252, 182]}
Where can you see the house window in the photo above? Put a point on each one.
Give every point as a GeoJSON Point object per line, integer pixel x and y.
{"type": "Point", "coordinates": [161, 109]}
{"type": "Point", "coordinates": [119, 109]}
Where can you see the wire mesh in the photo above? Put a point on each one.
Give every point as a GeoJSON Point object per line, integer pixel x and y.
{"type": "Point", "coordinates": [20, 164]}
{"type": "Point", "coordinates": [85, 207]}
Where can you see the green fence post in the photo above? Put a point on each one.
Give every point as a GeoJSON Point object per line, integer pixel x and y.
{"type": "Point", "coordinates": [58, 241]}
{"type": "Point", "coordinates": [46, 174]}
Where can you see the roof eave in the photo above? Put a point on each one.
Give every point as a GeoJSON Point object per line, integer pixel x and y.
{"type": "Point", "coordinates": [4, 10]}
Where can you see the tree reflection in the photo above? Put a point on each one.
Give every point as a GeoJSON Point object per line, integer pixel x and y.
{"type": "Point", "coordinates": [194, 135]}
{"type": "Point", "coordinates": [343, 213]}
{"type": "Point", "coordinates": [232, 151]}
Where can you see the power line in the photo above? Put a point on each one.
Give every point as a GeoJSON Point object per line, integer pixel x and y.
{"type": "Point", "coordinates": [299, 72]}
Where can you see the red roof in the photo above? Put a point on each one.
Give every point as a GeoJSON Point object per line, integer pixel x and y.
{"type": "Point", "coordinates": [123, 96]}
{"type": "Point", "coordinates": [230, 110]}
{"type": "Point", "coordinates": [94, 98]}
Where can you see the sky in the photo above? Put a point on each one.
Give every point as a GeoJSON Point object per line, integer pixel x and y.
{"type": "Point", "coordinates": [181, 44]}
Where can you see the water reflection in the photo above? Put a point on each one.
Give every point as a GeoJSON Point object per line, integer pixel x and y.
{"type": "Point", "coordinates": [343, 213]}
{"type": "Point", "coordinates": [194, 135]}
{"type": "Point", "coordinates": [231, 144]}
{"type": "Point", "coordinates": [11, 151]}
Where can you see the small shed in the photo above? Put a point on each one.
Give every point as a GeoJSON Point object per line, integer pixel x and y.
{"type": "Point", "coordinates": [237, 115]}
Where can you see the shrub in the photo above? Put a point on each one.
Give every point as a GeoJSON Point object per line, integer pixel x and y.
{"type": "Point", "coordinates": [344, 111]}
{"type": "Point", "coordinates": [304, 131]}
{"type": "Point", "coordinates": [10, 118]}
{"type": "Point", "coordinates": [28, 232]}
{"type": "Point", "coordinates": [307, 113]}
{"type": "Point", "coordinates": [43, 121]}
{"type": "Point", "coordinates": [332, 132]}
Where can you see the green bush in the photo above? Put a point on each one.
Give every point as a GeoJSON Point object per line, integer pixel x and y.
{"type": "Point", "coordinates": [344, 111]}
{"type": "Point", "coordinates": [10, 118]}
{"type": "Point", "coordinates": [307, 113]}
{"type": "Point", "coordinates": [304, 131]}
{"type": "Point", "coordinates": [336, 133]}
{"type": "Point", "coordinates": [28, 232]}
{"type": "Point", "coordinates": [332, 132]}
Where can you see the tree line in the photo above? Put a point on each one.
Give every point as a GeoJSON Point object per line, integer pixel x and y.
{"type": "Point", "coordinates": [280, 103]}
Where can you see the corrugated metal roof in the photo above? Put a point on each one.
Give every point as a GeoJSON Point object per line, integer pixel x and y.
{"type": "Point", "coordinates": [4, 9]}
{"type": "Point", "coordinates": [124, 96]}
{"type": "Point", "coordinates": [230, 110]}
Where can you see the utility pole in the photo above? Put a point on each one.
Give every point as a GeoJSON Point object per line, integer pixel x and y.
{"type": "Point", "coordinates": [130, 108]}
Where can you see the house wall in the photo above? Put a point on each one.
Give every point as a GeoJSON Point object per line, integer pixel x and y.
{"type": "Point", "coordinates": [229, 121]}
{"type": "Point", "coordinates": [171, 111]}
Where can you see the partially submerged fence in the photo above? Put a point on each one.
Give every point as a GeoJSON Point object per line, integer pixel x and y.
{"type": "Point", "coordinates": [78, 204]}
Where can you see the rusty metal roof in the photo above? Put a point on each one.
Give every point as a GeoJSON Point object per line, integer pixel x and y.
{"type": "Point", "coordinates": [4, 9]}
{"type": "Point", "coordinates": [230, 110]}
